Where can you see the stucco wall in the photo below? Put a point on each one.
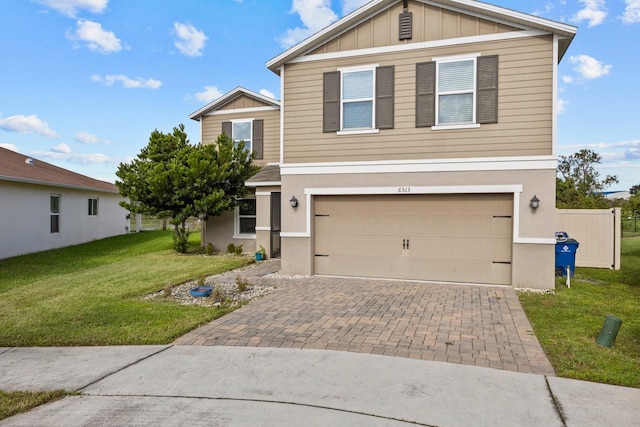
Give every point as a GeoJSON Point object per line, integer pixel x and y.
{"type": "Point", "coordinates": [25, 218]}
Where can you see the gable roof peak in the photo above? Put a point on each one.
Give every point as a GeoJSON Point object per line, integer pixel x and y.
{"type": "Point", "coordinates": [518, 19]}
{"type": "Point", "coordinates": [231, 95]}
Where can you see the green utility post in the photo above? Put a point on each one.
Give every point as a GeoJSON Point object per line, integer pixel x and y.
{"type": "Point", "coordinates": [609, 331]}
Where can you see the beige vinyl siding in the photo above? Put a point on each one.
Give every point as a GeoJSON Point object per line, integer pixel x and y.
{"type": "Point", "coordinates": [525, 109]}
{"type": "Point", "coordinates": [429, 23]}
{"type": "Point", "coordinates": [243, 102]}
{"type": "Point", "coordinates": [212, 128]}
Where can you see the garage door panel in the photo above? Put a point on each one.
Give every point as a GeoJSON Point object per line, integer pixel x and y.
{"type": "Point", "coordinates": [459, 237]}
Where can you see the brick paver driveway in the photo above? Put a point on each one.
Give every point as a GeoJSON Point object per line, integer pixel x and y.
{"type": "Point", "coordinates": [473, 325]}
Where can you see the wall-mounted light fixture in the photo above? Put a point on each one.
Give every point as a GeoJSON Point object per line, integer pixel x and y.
{"type": "Point", "coordinates": [294, 202]}
{"type": "Point", "coordinates": [534, 202]}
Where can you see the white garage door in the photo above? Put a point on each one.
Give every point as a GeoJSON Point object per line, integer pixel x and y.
{"type": "Point", "coordinates": [455, 238]}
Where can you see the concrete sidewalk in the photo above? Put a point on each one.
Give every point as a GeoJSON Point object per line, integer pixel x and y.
{"type": "Point", "coordinates": [237, 386]}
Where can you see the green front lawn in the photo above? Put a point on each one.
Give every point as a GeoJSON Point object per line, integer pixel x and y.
{"type": "Point", "coordinates": [12, 403]}
{"type": "Point", "coordinates": [91, 294]}
{"type": "Point", "coordinates": [568, 323]}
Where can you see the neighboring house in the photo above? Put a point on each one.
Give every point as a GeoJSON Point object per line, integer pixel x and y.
{"type": "Point", "coordinates": [46, 207]}
{"type": "Point", "coordinates": [617, 195]}
{"type": "Point", "coordinates": [415, 137]}
{"type": "Point", "coordinates": [255, 119]}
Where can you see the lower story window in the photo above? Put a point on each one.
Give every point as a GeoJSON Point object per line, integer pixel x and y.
{"type": "Point", "coordinates": [93, 206]}
{"type": "Point", "coordinates": [54, 209]}
{"type": "Point", "coordinates": [246, 223]}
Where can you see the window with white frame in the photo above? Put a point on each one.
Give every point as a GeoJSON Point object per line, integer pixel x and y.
{"type": "Point", "coordinates": [456, 92]}
{"type": "Point", "coordinates": [54, 210]}
{"type": "Point", "coordinates": [246, 218]}
{"type": "Point", "coordinates": [93, 206]}
{"type": "Point", "coordinates": [357, 99]}
{"type": "Point", "coordinates": [242, 130]}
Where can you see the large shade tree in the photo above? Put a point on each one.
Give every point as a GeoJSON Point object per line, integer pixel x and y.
{"type": "Point", "coordinates": [170, 178]}
{"type": "Point", "coordinates": [578, 182]}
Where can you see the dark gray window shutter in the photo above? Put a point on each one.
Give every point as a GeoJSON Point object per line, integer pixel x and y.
{"type": "Point", "coordinates": [384, 97]}
{"type": "Point", "coordinates": [227, 129]}
{"type": "Point", "coordinates": [487, 75]}
{"type": "Point", "coordinates": [331, 102]}
{"type": "Point", "coordinates": [426, 94]}
{"type": "Point", "coordinates": [258, 131]}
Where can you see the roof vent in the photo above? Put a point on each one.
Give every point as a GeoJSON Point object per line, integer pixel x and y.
{"type": "Point", "coordinates": [406, 23]}
{"type": "Point", "coordinates": [29, 161]}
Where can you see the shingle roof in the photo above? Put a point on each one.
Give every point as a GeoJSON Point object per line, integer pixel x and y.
{"type": "Point", "coordinates": [268, 175]}
{"type": "Point", "coordinates": [20, 168]}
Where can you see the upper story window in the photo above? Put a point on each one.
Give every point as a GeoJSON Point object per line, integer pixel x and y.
{"type": "Point", "coordinates": [242, 131]}
{"type": "Point", "coordinates": [456, 89]}
{"type": "Point", "coordinates": [93, 206]}
{"type": "Point", "coordinates": [54, 210]}
{"type": "Point", "coordinates": [358, 99]}
{"type": "Point", "coordinates": [457, 92]}
{"type": "Point", "coordinates": [251, 131]}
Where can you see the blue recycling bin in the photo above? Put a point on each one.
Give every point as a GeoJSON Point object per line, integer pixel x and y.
{"type": "Point", "coordinates": [566, 249]}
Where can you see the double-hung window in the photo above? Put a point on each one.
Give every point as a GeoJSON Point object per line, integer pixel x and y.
{"type": "Point", "coordinates": [242, 131]}
{"type": "Point", "coordinates": [457, 92]}
{"type": "Point", "coordinates": [54, 210]}
{"type": "Point", "coordinates": [357, 99]}
{"type": "Point", "coordinates": [246, 218]}
{"type": "Point", "coordinates": [456, 87]}
{"type": "Point", "coordinates": [251, 131]}
{"type": "Point", "coordinates": [93, 206]}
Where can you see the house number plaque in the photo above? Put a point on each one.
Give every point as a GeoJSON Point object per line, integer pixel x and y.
{"type": "Point", "coordinates": [404, 189]}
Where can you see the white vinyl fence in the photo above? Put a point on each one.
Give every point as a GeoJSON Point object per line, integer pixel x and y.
{"type": "Point", "coordinates": [597, 232]}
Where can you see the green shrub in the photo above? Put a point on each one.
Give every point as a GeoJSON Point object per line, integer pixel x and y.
{"type": "Point", "coordinates": [210, 249]}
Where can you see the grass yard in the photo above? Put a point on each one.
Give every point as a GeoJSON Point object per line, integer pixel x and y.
{"type": "Point", "coordinates": [12, 403]}
{"type": "Point", "coordinates": [91, 294]}
{"type": "Point", "coordinates": [568, 323]}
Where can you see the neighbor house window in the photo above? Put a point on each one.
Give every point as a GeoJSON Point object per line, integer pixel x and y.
{"type": "Point", "coordinates": [54, 203]}
{"type": "Point", "coordinates": [357, 99]}
{"type": "Point", "coordinates": [93, 206]}
{"type": "Point", "coordinates": [456, 92]}
{"type": "Point", "coordinates": [242, 131]}
{"type": "Point", "coordinates": [246, 218]}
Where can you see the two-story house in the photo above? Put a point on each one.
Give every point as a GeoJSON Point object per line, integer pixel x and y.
{"type": "Point", "coordinates": [417, 141]}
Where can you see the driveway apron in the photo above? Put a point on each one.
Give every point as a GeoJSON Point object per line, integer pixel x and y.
{"type": "Point", "coordinates": [464, 324]}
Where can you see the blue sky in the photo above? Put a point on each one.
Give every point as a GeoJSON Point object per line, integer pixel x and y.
{"type": "Point", "coordinates": [85, 82]}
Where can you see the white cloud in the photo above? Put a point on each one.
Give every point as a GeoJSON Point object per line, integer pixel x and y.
{"type": "Point", "coordinates": [86, 138]}
{"type": "Point", "coordinates": [562, 105]}
{"type": "Point", "coordinates": [190, 41]}
{"type": "Point", "coordinates": [26, 124]}
{"type": "Point", "coordinates": [61, 148]}
{"type": "Point", "coordinates": [267, 93]}
{"type": "Point", "coordinates": [80, 158]}
{"type": "Point", "coordinates": [631, 12]}
{"type": "Point", "coordinates": [209, 94]}
{"type": "Point", "coordinates": [567, 79]}
{"type": "Point", "coordinates": [128, 83]}
{"type": "Point", "coordinates": [349, 6]}
{"type": "Point", "coordinates": [594, 11]}
{"type": "Point", "coordinates": [95, 37]}
{"type": "Point", "coordinates": [71, 7]}
{"type": "Point", "coordinates": [589, 68]}
{"type": "Point", "coordinates": [9, 147]}
{"type": "Point", "coordinates": [314, 14]}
